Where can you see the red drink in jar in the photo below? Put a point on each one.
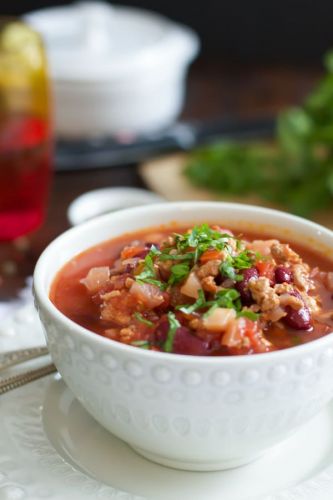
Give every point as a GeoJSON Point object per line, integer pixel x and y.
{"type": "Point", "coordinates": [25, 141]}
{"type": "Point", "coordinates": [25, 158]}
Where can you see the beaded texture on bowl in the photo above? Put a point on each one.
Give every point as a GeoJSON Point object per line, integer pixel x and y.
{"type": "Point", "coordinates": [31, 469]}
{"type": "Point", "coordinates": [251, 404]}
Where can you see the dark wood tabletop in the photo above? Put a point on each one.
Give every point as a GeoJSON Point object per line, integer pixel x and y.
{"type": "Point", "coordinates": [214, 90]}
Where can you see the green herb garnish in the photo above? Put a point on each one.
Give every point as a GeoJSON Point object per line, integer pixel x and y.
{"type": "Point", "coordinates": [201, 238]}
{"type": "Point", "coordinates": [226, 298]}
{"type": "Point", "coordinates": [297, 173]}
{"type": "Point", "coordinates": [143, 320]}
{"type": "Point", "coordinates": [243, 260]}
{"type": "Point", "coordinates": [178, 273]}
{"type": "Point", "coordinates": [148, 275]}
{"type": "Point", "coordinates": [198, 304]}
{"type": "Point", "coordinates": [173, 325]}
{"type": "Point", "coordinates": [182, 256]}
{"type": "Point", "coordinates": [227, 269]}
{"type": "Point", "coordinates": [232, 264]}
{"type": "Point", "coordinates": [248, 314]}
{"type": "Point", "coordinates": [143, 344]}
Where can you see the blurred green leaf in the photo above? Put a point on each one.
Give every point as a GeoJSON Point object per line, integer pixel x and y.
{"type": "Point", "coordinates": [298, 172]}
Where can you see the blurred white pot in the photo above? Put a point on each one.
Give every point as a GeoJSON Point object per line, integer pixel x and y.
{"type": "Point", "coordinates": [115, 70]}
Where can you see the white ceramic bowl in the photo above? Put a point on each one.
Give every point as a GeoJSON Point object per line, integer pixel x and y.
{"type": "Point", "coordinates": [187, 412]}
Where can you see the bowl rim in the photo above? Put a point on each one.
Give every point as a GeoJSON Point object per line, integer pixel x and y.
{"type": "Point", "coordinates": [42, 296]}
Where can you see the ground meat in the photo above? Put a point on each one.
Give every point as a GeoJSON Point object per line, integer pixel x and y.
{"type": "Point", "coordinates": [283, 253]}
{"type": "Point", "coordinates": [261, 246]}
{"type": "Point", "coordinates": [129, 282]}
{"type": "Point", "coordinates": [118, 281]}
{"type": "Point", "coordinates": [109, 295]}
{"type": "Point", "coordinates": [127, 334]}
{"type": "Point", "coordinates": [263, 293]}
{"type": "Point", "coordinates": [283, 288]}
{"type": "Point", "coordinates": [290, 300]}
{"type": "Point", "coordinates": [118, 308]}
{"type": "Point", "coordinates": [209, 285]}
{"type": "Point", "coordinates": [112, 333]}
{"type": "Point", "coordinates": [274, 315]}
{"type": "Point", "coordinates": [211, 268]}
{"type": "Point", "coordinates": [301, 277]}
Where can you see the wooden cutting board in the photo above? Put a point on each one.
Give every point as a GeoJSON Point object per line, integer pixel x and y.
{"type": "Point", "coordinates": [164, 176]}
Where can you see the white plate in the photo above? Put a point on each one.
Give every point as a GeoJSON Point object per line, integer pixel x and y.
{"type": "Point", "coordinates": [52, 449]}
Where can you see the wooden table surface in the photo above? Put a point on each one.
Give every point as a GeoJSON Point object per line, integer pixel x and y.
{"type": "Point", "coordinates": [214, 90]}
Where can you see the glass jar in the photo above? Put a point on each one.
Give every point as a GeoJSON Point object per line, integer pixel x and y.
{"type": "Point", "coordinates": [25, 132]}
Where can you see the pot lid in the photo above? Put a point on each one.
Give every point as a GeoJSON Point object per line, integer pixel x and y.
{"type": "Point", "coordinates": [96, 41]}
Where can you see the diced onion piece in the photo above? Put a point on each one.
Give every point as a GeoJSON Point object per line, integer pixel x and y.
{"type": "Point", "coordinates": [148, 294]}
{"type": "Point", "coordinates": [219, 319]}
{"type": "Point", "coordinates": [191, 286]}
{"type": "Point", "coordinates": [96, 278]}
{"type": "Point", "coordinates": [234, 335]}
{"type": "Point", "coordinates": [261, 246]}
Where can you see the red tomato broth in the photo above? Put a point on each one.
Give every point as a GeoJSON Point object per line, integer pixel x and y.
{"type": "Point", "coordinates": [70, 296]}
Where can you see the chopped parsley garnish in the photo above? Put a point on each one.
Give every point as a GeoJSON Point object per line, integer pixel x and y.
{"type": "Point", "coordinates": [198, 304]}
{"type": "Point", "coordinates": [201, 238]}
{"type": "Point", "coordinates": [178, 273]}
{"type": "Point", "coordinates": [143, 344]}
{"type": "Point", "coordinates": [173, 326]}
{"type": "Point", "coordinates": [243, 260]}
{"type": "Point", "coordinates": [227, 269]}
{"type": "Point", "coordinates": [167, 256]}
{"type": "Point", "coordinates": [154, 251]}
{"type": "Point", "coordinates": [232, 264]}
{"type": "Point", "coordinates": [148, 274]}
{"type": "Point", "coordinates": [226, 298]}
{"type": "Point", "coordinates": [143, 320]}
{"type": "Point", "coordinates": [248, 314]}
{"type": "Point", "coordinates": [188, 248]}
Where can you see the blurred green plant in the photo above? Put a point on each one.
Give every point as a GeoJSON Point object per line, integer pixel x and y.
{"type": "Point", "coordinates": [296, 172]}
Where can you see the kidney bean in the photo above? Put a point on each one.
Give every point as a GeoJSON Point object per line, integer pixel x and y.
{"type": "Point", "coordinates": [242, 286]}
{"type": "Point", "coordinates": [186, 343]}
{"type": "Point", "coordinates": [299, 319]}
{"type": "Point", "coordinates": [283, 275]}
